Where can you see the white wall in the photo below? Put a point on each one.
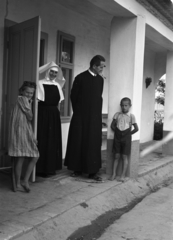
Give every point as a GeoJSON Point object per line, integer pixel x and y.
{"type": "Point", "coordinates": [148, 95]}
{"type": "Point", "coordinates": [137, 9]}
{"type": "Point", "coordinates": [91, 37]}
{"type": "Point", "coordinates": [154, 67]}
{"type": "Point", "coordinates": [168, 111]}
{"type": "Point", "coordinates": [121, 64]}
{"type": "Point", "coordinates": [160, 65]}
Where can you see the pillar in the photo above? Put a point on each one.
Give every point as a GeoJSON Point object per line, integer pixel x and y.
{"type": "Point", "coordinates": [168, 109]}
{"type": "Point", "coordinates": [126, 78]}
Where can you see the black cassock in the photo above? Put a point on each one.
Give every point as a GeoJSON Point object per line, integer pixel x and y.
{"type": "Point", "coordinates": [85, 132]}
{"type": "Point", "coordinates": [49, 132]}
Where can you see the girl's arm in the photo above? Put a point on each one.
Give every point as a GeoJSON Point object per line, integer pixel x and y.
{"type": "Point", "coordinates": [136, 129]}
{"type": "Point", "coordinates": [25, 107]}
{"type": "Point", "coordinates": [29, 115]}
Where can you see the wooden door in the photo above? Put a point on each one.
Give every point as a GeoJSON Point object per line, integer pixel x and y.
{"type": "Point", "coordinates": [23, 63]}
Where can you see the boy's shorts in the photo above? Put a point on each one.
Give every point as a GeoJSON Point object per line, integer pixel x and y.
{"type": "Point", "coordinates": [122, 147]}
{"type": "Point", "coordinates": [122, 141]}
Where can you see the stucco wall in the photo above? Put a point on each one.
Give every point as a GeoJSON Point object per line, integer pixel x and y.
{"type": "Point", "coordinates": [154, 67]}
{"type": "Point", "coordinates": [91, 37]}
{"type": "Point", "coordinates": [121, 64]}
{"type": "Point", "coordinates": [160, 65]}
{"type": "Point", "coordinates": [137, 9]}
{"type": "Point", "coordinates": [148, 94]}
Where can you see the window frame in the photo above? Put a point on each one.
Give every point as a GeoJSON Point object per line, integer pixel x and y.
{"type": "Point", "coordinates": [60, 37]}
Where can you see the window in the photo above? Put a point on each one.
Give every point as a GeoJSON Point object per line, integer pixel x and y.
{"type": "Point", "coordinates": [65, 59]}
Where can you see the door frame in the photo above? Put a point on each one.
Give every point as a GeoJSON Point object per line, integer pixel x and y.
{"type": "Point", "coordinates": [7, 23]}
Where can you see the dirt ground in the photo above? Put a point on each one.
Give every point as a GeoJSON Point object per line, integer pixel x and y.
{"type": "Point", "coordinates": [99, 226]}
{"type": "Point", "coordinates": [96, 229]}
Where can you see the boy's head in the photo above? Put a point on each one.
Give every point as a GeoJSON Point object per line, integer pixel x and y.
{"type": "Point", "coordinates": [125, 104]}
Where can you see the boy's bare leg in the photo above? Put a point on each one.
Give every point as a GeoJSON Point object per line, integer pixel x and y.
{"type": "Point", "coordinates": [18, 170]}
{"type": "Point", "coordinates": [125, 165]}
{"type": "Point", "coordinates": [115, 164]}
{"type": "Point", "coordinates": [29, 170]}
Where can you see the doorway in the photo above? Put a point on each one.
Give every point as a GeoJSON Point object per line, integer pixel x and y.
{"type": "Point", "coordinates": [159, 108]}
{"type": "Point", "coordinates": [21, 62]}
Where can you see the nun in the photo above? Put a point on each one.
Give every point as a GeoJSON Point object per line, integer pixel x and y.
{"type": "Point", "coordinates": [49, 138]}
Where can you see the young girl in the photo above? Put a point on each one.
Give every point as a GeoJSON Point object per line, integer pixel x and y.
{"type": "Point", "coordinates": [22, 143]}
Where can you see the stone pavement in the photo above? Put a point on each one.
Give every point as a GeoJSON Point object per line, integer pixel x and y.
{"type": "Point", "coordinates": [58, 206]}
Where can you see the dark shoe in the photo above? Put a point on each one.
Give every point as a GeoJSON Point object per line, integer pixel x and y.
{"type": "Point", "coordinates": [76, 174]}
{"type": "Point", "coordinates": [52, 173]}
{"type": "Point", "coordinates": [43, 175]}
{"type": "Point", "coordinates": [95, 177]}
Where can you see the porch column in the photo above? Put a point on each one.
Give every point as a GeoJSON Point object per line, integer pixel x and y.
{"type": "Point", "coordinates": [168, 109]}
{"type": "Point", "coordinates": [126, 77]}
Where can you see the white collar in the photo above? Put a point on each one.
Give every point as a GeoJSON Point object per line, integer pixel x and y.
{"type": "Point", "coordinates": [92, 73]}
{"type": "Point", "coordinates": [49, 82]}
{"type": "Point", "coordinates": [47, 79]}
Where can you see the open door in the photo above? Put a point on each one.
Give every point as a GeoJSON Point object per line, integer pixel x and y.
{"type": "Point", "coordinates": [23, 63]}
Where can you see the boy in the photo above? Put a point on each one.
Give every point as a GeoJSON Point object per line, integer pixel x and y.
{"type": "Point", "coordinates": [121, 125]}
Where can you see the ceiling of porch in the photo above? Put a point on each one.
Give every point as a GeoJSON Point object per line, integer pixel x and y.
{"type": "Point", "coordinates": [161, 9]}
{"type": "Point", "coordinates": [152, 46]}
{"type": "Point", "coordinates": [102, 11]}
{"type": "Point", "coordinates": [157, 42]}
{"type": "Point", "coordinates": [112, 7]}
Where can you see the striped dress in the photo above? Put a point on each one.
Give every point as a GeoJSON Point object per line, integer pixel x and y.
{"type": "Point", "coordinates": [21, 141]}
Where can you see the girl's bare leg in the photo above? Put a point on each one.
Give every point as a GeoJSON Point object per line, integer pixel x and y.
{"type": "Point", "coordinates": [115, 164]}
{"type": "Point", "coordinates": [18, 170]}
{"type": "Point", "coordinates": [29, 170]}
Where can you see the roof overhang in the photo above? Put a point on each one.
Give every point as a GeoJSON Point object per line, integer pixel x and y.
{"type": "Point", "coordinates": [161, 9]}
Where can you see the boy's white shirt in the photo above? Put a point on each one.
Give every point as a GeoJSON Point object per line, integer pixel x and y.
{"type": "Point", "coordinates": [124, 120]}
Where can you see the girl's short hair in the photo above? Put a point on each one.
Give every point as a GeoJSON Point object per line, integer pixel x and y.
{"type": "Point", "coordinates": [126, 99]}
{"type": "Point", "coordinates": [25, 85]}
